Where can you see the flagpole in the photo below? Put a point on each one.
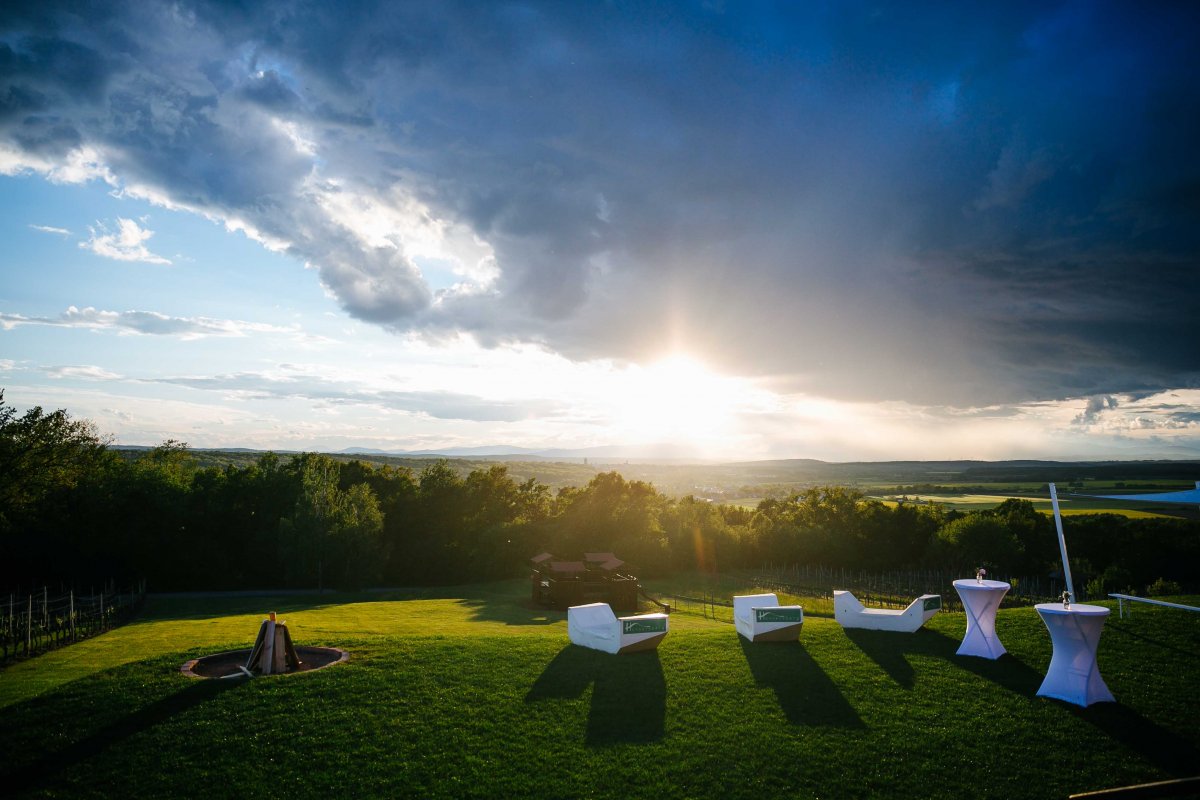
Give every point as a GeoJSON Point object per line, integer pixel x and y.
{"type": "Point", "coordinates": [1062, 542]}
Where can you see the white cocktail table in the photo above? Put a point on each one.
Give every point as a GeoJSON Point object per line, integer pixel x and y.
{"type": "Point", "coordinates": [1073, 675]}
{"type": "Point", "coordinates": [980, 600]}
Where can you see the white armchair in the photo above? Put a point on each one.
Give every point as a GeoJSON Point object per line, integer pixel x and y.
{"type": "Point", "coordinates": [596, 626]}
{"type": "Point", "coordinates": [760, 618]}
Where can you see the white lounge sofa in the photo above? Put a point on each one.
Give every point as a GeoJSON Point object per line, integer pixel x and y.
{"type": "Point", "coordinates": [596, 626]}
{"type": "Point", "coordinates": [850, 613]}
{"type": "Point", "coordinates": [760, 618]}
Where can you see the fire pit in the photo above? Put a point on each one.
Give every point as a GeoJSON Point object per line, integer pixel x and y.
{"type": "Point", "coordinates": [273, 654]}
{"type": "Point", "coordinates": [232, 662]}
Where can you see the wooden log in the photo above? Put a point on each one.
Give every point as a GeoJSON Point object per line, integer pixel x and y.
{"type": "Point", "coordinates": [279, 651]}
{"type": "Point", "coordinates": [268, 656]}
{"type": "Point", "coordinates": [256, 651]}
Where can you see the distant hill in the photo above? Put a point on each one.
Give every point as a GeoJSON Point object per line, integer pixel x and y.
{"type": "Point", "coordinates": [749, 481]}
{"type": "Point", "coordinates": [661, 453]}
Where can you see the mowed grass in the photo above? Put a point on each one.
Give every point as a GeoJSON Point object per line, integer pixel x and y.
{"type": "Point", "coordinates": [470, 693]}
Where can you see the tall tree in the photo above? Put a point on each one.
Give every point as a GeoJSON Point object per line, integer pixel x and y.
{"type": "Point", "coordinates": [303, 534]}
{"type": "Point", "coordinates": [43, 457]}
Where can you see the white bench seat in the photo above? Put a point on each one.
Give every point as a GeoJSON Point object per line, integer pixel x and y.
{"type": "Point", "coordinates": [850, 613]}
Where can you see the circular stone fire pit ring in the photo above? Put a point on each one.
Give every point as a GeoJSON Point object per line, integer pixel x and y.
{"type": "Point", "coordinates": [229, 663]}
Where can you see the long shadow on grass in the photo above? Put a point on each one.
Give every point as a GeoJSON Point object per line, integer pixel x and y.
{"type": "Point", "coordinates": [213, 605]}
{"type": "Point", "coordinates": [1155, 647]}
{"type": "Point", "coordinates": [1120, 627]}
{"type": "Point", "coordinates": [891, 652]}
{"type": "Point", "coordinates": [629, 694]}
{"type": "Point", "coordinates": [511, 611]}
{"type": "Point", "coordinates": [46, 768]}
{"type": "Point", "coordinates": [1168, 751]}
{"type": "Point", "coordinates": [1007, 672]}
{"type": "Point", "coordinates": [806, 694]}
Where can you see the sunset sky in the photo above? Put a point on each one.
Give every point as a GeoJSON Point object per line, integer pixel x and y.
{"type": "Point", "coordinates": [846, 231]}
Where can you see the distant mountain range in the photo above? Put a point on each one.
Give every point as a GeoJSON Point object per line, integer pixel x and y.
{"type": "Point", "coordinates": [667, 453]}
{"type": "Point", "coordinates": [682, 454]}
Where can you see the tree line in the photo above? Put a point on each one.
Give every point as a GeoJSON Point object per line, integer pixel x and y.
{"type": "Point", "coordinates": [74, 511]}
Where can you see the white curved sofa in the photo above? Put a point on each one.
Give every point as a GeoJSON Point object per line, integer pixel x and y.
{"type": "Point", "coordinates": [760, 618]}
{"type": "Point", "coordinates": [596, 626]}
{"type": "Point", "coordinates": [850, 613]}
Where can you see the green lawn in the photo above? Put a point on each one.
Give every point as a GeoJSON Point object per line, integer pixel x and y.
{"type": "Point", "coordinates": [468, 693]}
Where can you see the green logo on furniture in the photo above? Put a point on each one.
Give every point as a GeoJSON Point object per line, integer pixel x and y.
{"type": "Point", "coordinates": [778, 615]}
{"type": "Point", "coordinates": [933, 603]}
{"type": "Point", "coordinates": [629, 626]}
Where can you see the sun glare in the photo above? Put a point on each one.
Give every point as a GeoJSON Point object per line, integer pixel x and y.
{"type": "Point", "coordinates": [676, 398]}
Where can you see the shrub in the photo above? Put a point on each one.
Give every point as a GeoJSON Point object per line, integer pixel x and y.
{"type": "Point", "coordinates": [1095, 589]}
{"type": "Point", "coordinates": [1163, 586]}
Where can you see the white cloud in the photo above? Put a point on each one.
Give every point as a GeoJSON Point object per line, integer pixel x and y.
{"type": "Point", "coordinates": [80, 165]}
{"type": "Point", "coordinates": [128, 243]}
{"type": "Point", "coordinates": [87, 371]}
{"type": "Point", "coordinates": [299, 138]}
{"type": "Point", "coordinates": [289, 383]}
{"type": "Point", "coordinates": [152, 323]}
{"type": "Point", "coordinates": [231, 222]}
{"type": "Point", "coordinates": [397, 220]}
{"type": "Point", "coordinates": [51, 229]}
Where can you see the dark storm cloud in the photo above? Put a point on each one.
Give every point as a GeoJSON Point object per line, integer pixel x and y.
{"type": "Point", "coordinates": [1095, 407]}
{"type": "Point", "coordinates": [938, 204]}
{"type": "Point", "coordinates": [268, 89]}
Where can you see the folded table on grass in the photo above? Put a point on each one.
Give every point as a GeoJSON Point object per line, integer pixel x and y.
{"type": "Point", "coordinates": [596, 626]}
{"type": "Point", "coordinates": [850, 613]}
{"type": "Point", "coordinates": [760, 618]}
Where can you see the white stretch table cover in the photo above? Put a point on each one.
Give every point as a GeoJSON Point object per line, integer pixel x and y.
{"type": "Point", "coordinates": [850, 613]}
{"type": "Point", "coordinates": [760, 618]}
{"type": "Point", "coordinates": [1073, 675]}
{"type": "Point", "coordinates": [980, 600]}
{"type": "Point", "coordinates": [596, 626]}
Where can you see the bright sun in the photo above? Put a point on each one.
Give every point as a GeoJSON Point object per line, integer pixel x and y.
{"type": "Point", "coordinates": [676, 398]}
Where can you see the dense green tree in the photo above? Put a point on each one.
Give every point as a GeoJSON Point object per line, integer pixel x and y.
{"type": "Point", "coordinates": [613, 514]}
{"type": "Point", "coordinates": [979, 540]}
{"type": "Point", "coordinates": [41, 454]}
{"type": "Point", "coordinates": [259, 497]}
{"type": "Point", "coordinates": [397, 493]}
{"type": "Point", "coordinates": [700, 536]}
{"type": "Point", "coordinates": [1034, 532]}
{"type": "Point", "coordinates": [355, 538]}
{"type": "Point", "coordinates": [73, 510]}
{"type": "Point", "coordinates": [899, 537]}
{"type": "Point", "coordinates": [43, 459]}
{"type": "Point", "coordinates": [822, 525]}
